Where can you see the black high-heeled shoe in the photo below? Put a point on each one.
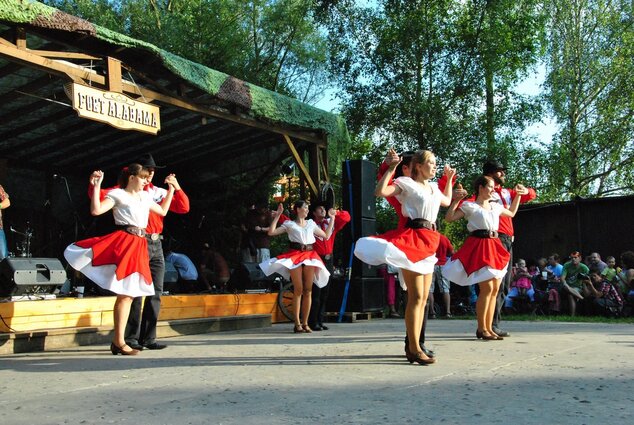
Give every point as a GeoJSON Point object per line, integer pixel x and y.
{"type": "Point", "coordinates": [298, 329]}
{"type": "Point", "coordinates": [479, 334]}
{"type": "Point", "coordinates": [418, 358]}
{"type": "Point", "coordinates": [119, 350]}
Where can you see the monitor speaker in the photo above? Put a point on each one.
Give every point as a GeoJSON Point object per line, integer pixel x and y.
{"type": "Point", "coordinates": [365, 294]}
{"type": "Point", "coordinates": [21, 276]}
{"type": "Point", "coordinates": [359, 228]}
{"type": "Point", "coordinates": [250, 276]}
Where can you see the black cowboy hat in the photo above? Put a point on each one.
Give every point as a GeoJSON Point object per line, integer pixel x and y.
{"type": "Point", "coordinates": [492, 166]}
{"type": "Point", "coordinates": [147, 161]}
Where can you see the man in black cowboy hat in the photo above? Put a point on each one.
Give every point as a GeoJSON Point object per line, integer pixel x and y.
{"type": "Point", "coordinates": [324, 249]}
{"type": "Point", "coordinates": [497, 171]}
{"type": "Point", "coordinates": [141, 329]}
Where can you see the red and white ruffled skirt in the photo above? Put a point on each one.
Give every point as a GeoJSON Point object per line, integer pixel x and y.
{"type": "Point", "coordinates": [478, 260]}
{"type": "Point", "coordinates": [409, 249]}
{"type": "Point", "coordinates": [293, 259]}
{"type": "Point", "coordinates": [118, 262]}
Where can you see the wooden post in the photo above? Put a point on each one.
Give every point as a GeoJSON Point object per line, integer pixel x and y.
{"type": "Point", "coordinates": [114, 75]}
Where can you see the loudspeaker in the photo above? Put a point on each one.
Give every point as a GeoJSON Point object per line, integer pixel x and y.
{"type": "Point", "coordinates": [364, 294]}
{"type": "Point", "coordinates": [19, 276]}
{"type": "Point", "coordinates": [361, 227]}
{"type": "Point", "coordinates": [361, 180]}
{"type": "Point", "coordinates": [250, 276]}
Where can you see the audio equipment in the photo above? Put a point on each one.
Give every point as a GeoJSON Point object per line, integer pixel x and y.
{"type": "Point", "coordinates": [20, 276]}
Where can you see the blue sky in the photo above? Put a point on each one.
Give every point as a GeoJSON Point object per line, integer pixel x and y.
{"type": "Point", "coordinates": [543, 131]}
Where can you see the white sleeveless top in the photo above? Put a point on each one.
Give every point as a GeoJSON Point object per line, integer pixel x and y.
{"type": "Point", "coordinates": [130, 210]}
{"type": "Point", "coordinates": [416, 201]}
{"type": "Point", "coordinates": [304, 235]}
{"type": "Point", "coordinates": [479, 218]}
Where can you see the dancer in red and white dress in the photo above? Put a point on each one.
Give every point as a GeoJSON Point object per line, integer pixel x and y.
{"type": "Point", "coordinates": [119, 261]}
{"type": "Point", "coordinates": [482, 259]}
{"type": "Point", "coordinates": [300, 263]}
{"type": "Point", "coordinates": [411, 249]}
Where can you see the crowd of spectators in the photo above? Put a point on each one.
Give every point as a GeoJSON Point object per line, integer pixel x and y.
{"type": "Point", "coordinates": [578, 286]}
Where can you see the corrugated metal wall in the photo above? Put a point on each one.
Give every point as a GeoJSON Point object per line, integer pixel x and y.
{"type": "Point", "coordinates": [604, 225]}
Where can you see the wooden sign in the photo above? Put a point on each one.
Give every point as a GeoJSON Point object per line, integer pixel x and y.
{"type": "Point", "coordinates": [115, 109]}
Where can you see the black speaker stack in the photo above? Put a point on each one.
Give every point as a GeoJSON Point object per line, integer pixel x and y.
{"type": "Point", "coordinates": [26, 276]}
{"type": "Point", "coordinates": [359, 181]}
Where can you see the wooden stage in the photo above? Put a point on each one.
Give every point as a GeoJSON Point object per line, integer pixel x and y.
{"type": "Point", "coordinates": [26, 325]}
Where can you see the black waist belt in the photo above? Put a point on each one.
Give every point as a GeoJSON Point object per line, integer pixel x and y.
{"type": "Point", "coordinates": [301, 246]}
{"type": "Point", "coordinates": [133, 230]}
{"type": "Point", "coordinates": [484, 233]}
{"type": "Point", "coordinates": [420, 223]}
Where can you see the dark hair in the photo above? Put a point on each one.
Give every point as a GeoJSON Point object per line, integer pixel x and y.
{"type": "Point", "coordinates": [555, 256]}
{"type": "Point", "coordinates": [131, 170]}
{"type": "Point", "coordinates": [627, 258]}
{"type": "Point", "coordinates": [298, 204]}
{"type": "Point", "coordinates": [406, 159]}
{"type": "Point", "coordinates": [479, 182]}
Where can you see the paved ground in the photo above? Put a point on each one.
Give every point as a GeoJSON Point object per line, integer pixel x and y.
{"type": "Point", "coordinates": [352, 374]}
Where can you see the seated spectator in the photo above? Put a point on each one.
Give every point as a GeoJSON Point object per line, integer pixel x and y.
{"type": "Point", "coordinates": [595, 264]}
{"type": "Point", "coordinates": [603, 296]}
{"type": "Point", "coordinates": [571, 285]}
{"type": "Point", "coordinates": [515, 290]}
{"type": "Point", "coordinates": [539, 278]}
{"type": "Point", "coordinates": [187, 273]}
{"type": "Point", "coordinates": [609, 273]}
{"type": "Point", "coordinates": [553, 268]}
{"type": "Point", "coordinates": [521, 278]}
{"type": "Point", "coordinates": [214, 270]}
{"type": "Point", "coordinates": [626, 276]}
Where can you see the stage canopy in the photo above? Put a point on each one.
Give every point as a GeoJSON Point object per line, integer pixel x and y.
{"type": "Point", "coordinates": [212, 126]}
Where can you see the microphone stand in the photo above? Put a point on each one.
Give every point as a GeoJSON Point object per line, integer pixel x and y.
{"type": "Point", "coordinates": [75, 213]}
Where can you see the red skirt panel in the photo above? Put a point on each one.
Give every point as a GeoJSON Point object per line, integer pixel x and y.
{"type": "Point", "coordinates": [477, 253]}
{"type": "Point", "coordinates": [128, 252]}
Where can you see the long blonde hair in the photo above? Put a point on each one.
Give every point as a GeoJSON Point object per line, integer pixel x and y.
{"type": "Point", "coordinates": [420, 157]}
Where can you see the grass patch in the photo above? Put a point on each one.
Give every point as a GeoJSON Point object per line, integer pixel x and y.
{"type": "Point", "coordinates": [554, 318]}
{"type": "Point", "coordinates": [566, 318]}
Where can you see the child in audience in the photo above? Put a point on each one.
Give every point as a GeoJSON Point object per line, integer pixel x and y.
{"type": "Point", "coordinates": [609, 273]}
{"type": "Point", "coordinates": [521, 277]}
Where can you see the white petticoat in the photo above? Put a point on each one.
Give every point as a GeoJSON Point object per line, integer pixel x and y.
{"type": "Point", "coordinates": [283, 266]}
{"type": "Point", "coordinates": [133, 285]}
{"type": "Point", "coordinates": [377, 251]}
{"type": "Point", "coordinates": [455, 272]}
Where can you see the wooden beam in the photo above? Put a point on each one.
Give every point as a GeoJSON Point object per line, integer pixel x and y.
{"type": "Point", "coordinates": [324, 163]}
{"type": "Point", "coordinates": [63, 55]}
{"type": "Point", "coordinates": [80, 75]}
{"type": "Point", "coordinates": [114, 75]}
{"type": "Point", "coordinates": [302, 167]}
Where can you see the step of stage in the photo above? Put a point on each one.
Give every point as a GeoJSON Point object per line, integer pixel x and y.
{"type": "Point", "coordinates": [54, 339]}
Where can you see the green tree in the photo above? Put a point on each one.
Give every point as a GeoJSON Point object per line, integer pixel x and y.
{"type": "Point", "coordinates": [416, 74]}
{"type": "Point", "coordinates": [275, 44]}
{"type": "Point", "coordinates": [591, 92]}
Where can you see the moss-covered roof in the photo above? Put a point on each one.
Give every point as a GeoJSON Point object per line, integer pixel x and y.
{"type": "Point", "coordinates": [260, 103]}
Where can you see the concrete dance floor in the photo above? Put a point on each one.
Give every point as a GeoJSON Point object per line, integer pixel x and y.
{"type": "Point", "coordinates": [563, 373]}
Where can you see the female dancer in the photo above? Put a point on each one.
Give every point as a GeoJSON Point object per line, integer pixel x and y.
{"type": "Point", "coordinates": [411, 249]}
{"type": "Point", "coordinates": [300, 263]}
{"type": "Point", "coordinates": [482, 259]}
{"type": "Point", "coordinates": [119, 261]}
